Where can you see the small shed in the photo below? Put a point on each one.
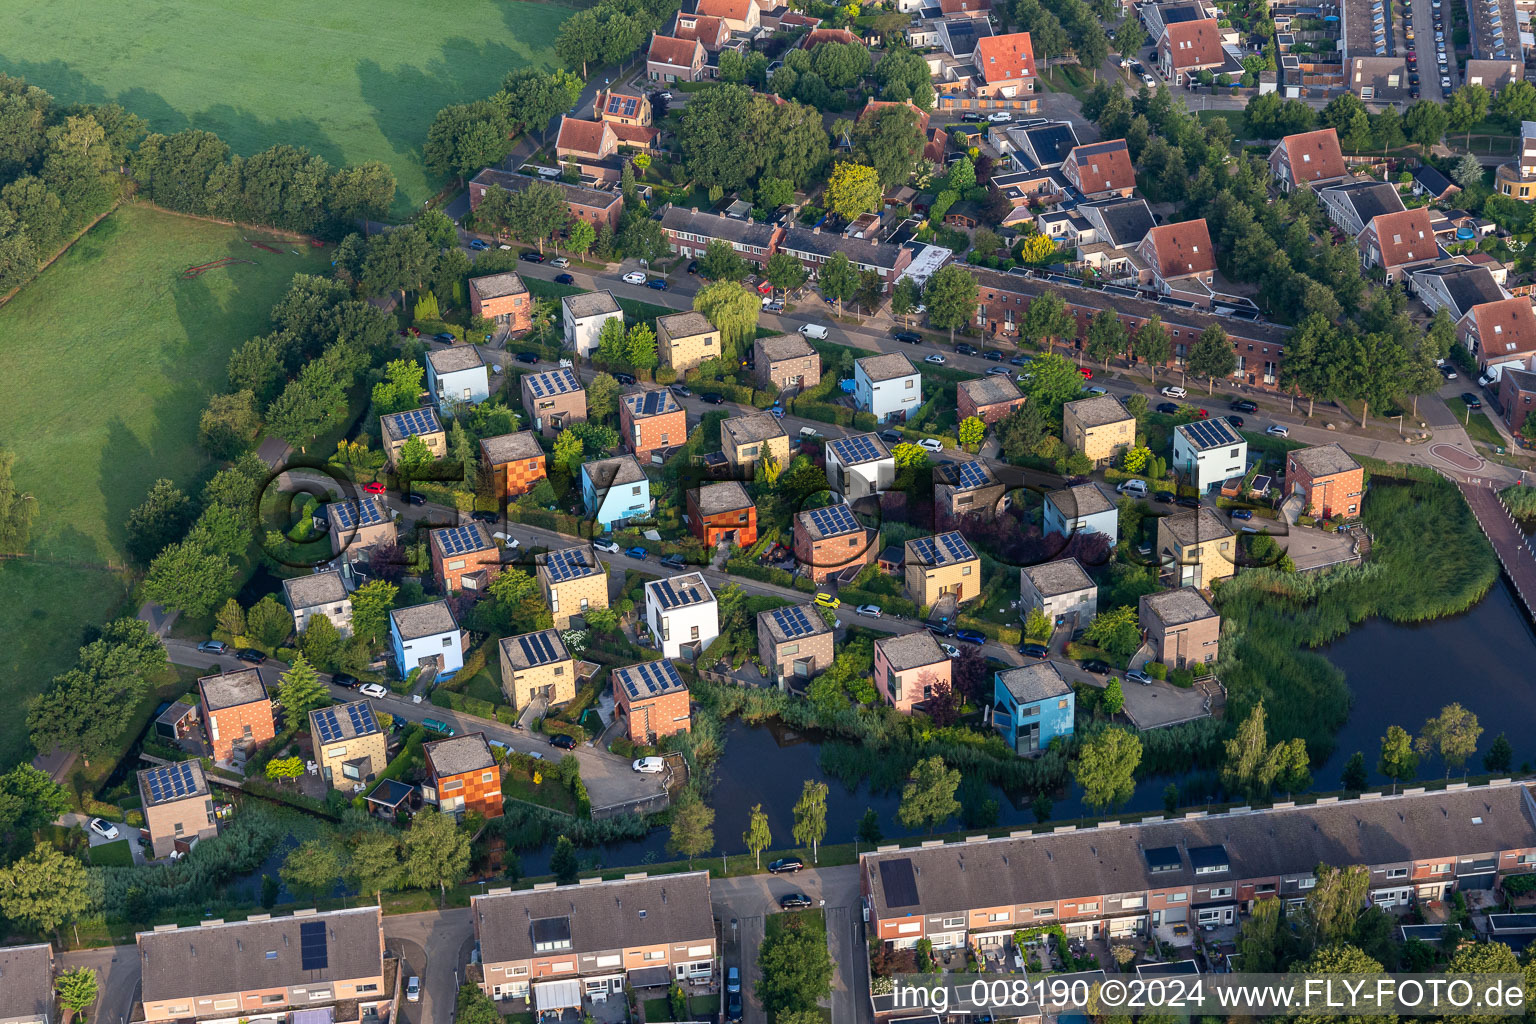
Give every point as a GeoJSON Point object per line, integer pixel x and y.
{"type": "Point", "coordinates": [390, 797]}
{"type": "Point", "coordinates": [893, 559]}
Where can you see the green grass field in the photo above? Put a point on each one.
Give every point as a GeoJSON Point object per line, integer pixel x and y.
{"type": "Point", "coordinates": [112, 855]}
{"type": "Point", "coordinates": [110, 357]}
{"type": "Point", "coordinates": [349, 79]}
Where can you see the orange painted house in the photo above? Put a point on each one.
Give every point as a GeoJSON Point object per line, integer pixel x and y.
{"type": "Point", "coordinates": [464, 558]}
{"type": "Point", "coordinates": [463, 776]}
{"type": "Point", "coordinates": [722, 511]}
{"type": "Point", "coordinates": [515, 462]}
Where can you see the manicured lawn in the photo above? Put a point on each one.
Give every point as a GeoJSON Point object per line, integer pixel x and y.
{"type": "Point", "coordinates": [1479, 428]}
{"type": "Point", "coordinates": [519, 785]}
{"type": "Point", "coordinates": [112, 855]}
{"type": "Point", "coordinates": [349, 79]}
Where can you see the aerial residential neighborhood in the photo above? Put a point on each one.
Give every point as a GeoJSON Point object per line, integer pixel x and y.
{"type": "Point", "coordinates": [623, 512]}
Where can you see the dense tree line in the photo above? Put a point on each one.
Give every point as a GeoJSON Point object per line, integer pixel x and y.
{"type": "Point", "coordinates": [465, 137]}
{"type": "Point", "coordinates": [610, 31]}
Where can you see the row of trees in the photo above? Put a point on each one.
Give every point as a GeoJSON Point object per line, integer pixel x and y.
{"type": "Point", "coordinates": [466, 137]}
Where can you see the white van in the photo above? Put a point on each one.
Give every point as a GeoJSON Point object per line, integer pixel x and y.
{"type": "Point", "coordinates": [549, 172]}
{"type": "Point", "coordinates": [814, 331]}
{"type": "Point", "coordinates": [1135, 488]}
{"type": "Point", "coordinates": [809, 433]}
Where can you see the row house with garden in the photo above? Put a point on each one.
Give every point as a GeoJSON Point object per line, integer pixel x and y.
{"type": "Point", "coordinates": [689, 233]}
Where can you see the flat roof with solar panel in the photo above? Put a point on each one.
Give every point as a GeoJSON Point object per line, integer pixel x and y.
{"type": "Point", "coordinates": [1204, 434]}
{"type": "Point", "coordinates": [399, 426]}
{"type": "Point", "coordinates": [569, 563]}
{"type": "Point", "coordinates": [530, 650]}
{"type": "Point", "coordinates": [167, 783]}
{"type": "Point", "coordinates": [552, 382]}
{"type": "Point", "coordinates": [945, 549]}
{"type": "Point", "coordinates": [966, 476]}
{"type": "Point", "coordinates": [343, 722]}
{"type": "Point", "coordinates": [354, 515]}
{"type": "Point", "coordinates": [858, 449]}
{"type": "Point", "coordinates": [832, 521]}
{"type": "Point", "coordinates": [793, 623]}
{"type": "Point", "coordinates": [648, 679]}
{"type": "Point", "coordinates": [461, 540]}
{"type": "Point", "coordinates": [683, 591]}
{"type": "Point", "coordinates": [653, 402]}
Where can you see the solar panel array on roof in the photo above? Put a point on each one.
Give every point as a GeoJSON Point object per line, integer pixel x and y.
{"type": "Point", "coordinates": [553, 382]}
{"type": "Point", "coordinates": [793, 621]}
{"type": "Point", "coordinates": [943, 549]}
{"type": "Point", "coordinates": [1211, 433]}
{"type": "Point", "coordinates": [651, 678]}
{"type": "Point", "coordinates": [329, 722]}
{"type": "Point", "coordinates": [854, 450]}
{"type": "Point", "coordinates": [899, 882]}
{"type": "Point", "coordinates": [313, 955]}
{"type": "Point", "coordinates": [171, 782]}
{"type": "Point", "coordinates": [624, 106]}
{"type": "Point", "coordinates": [651, 403]}
{"type": "Point", "coordinates": [972, 474]}
{"type": "Point", "coordinates": [568, 564]}
{"type": "Point", "coordinates": [459, 540]}
{"type": "Point", "coordinates": [415, 421]}
{"type": "Point", "coordinates": [537, 648]}
{"type": "Point", "coordinates": [352, 514]}
{"type": "Point", "coordinates": [680, 590]}
{"type": "Point", "coordinates": [834, 520]}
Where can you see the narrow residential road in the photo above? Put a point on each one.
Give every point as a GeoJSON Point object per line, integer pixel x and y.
{"type": "Point", "coordinates": [117, 978]}
{"type": "Point", "coordinates": [434, 946]}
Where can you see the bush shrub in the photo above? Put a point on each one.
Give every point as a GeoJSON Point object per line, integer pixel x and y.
{"type": "Point", "coordinates": [1157, 670]}
{"type": "Point", "coordinates": [1182, 678]}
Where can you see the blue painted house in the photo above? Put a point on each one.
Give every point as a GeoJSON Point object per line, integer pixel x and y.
{"type": "Point", "coordinates": [615, 491]}
{"type": "Point", "coordinates": [1032, 705]}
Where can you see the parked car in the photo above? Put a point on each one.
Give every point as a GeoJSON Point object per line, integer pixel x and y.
{"type": "Point", "coordinates": [531, 257]}
{"type": "Point", "coordinates": [527, 357]}
{"type": "Point", "coordinates": [374, 690]}
{"type": "Point", "coordinates": [815, 332]}
{"type": "Point", "coordinates": [1174, 391]}
{"type": "Point", "coordinates": [940, 629]}
{"type": "Point", "coordinates": [1136, 675]}
{"type": "Point", "coordinates": [649, 765]}
{"type": "Point", "coordinates": [1472, 401]}
{"type": "Point", "coordinates": [213, 647]}
{"type": "Point", "coordinates": [931, 444]}
{"type": "Point", "coordinates": [1167, 408]}
{"type": "Point", "coordinates": [1164, 497]}
{"type": "Point", "coordinates": [559, 261]}
{"type": "Point", "coordinates": [415, 499]}
{"type": "Point", "coordinates": [1087, 373]}
{"type": "Point", "coordinates": [606, 545]}
{"type": "Point", "coordinates": [826, 600]}
{"type": "Point", "coordinates": [104, 828]}
{"type": "Point", "coordinates": [785, 866]}
{"type": "Point", "coordinates": [1095, 665]}
{"type": "Point", "coordinates": [1236, 421]}
{"type": "Point", "coordinates": [712, 397]}
{"type": "Point", "coordinates": [634, 277]}
{"type": "Point", "coordinates": [693, 266]}
{"type": "Point", "coordinates": [1094, 391]}
{"type": "Point", "coordinates": [1001, 117]}
{"type": "Point", "coordinates": [733, 974]}
{"type": "Point", "coordinates": [776, 411]}
{"type": "Point", "coordinates": [971, 636]}
{"type": "Point", "coordinates": [681, 392]}
{"type": "Point", "coordinates": [1242, 513]}
{"type": "Point", "coordinates": [564, 279]}
{"type": "Point", "coordinates": [627, 379]}
{"type": "Point", "coordinates": [891, 436]}
{"type": "Point", "coordinates": [483, 517]}
{"type": "Point", "coordinates": [563, 741]}
{"type": "Point", "coordinates": [345, 679]}
{"type": "Point", "coordinates": [934, 358]}
{"type": "Point", "coordinates": [910, 337]}
{"type": "Point", "coordinates": [950, 649]}
{"type": "Point", "coordinates": [1019, 360]}
{"type": "Point", "coordinates": [965, 349]}
{"type": "Point", "coordinates": [794, 901]}
{"type": "Point", "coordinates": [1187, 502]}
{"type": "Point", "coordinates": [413, 990]}
{"type": "Point", "coordinates": [374, 487]}
{"type": "Point", "coordinates": [1034, 650]}
{"type": "Point", "coordinates": [992, 355]}
{"type": "Point", "coordinates": [872, 610]}
{"type": "Point", "coordinates": [251, 655]}
{"type": "Point", "coordinates": [733, 1007]}
{"type": "Point", "coordinates": [1135, 488]}
{"type": "Point", "coordinates": [1243, 405]}
{"type": "Point", "coordinates": [673, 562]}
{"type": "Point", "coordinates": [1003, 371]}
{"type": "Point", "coordinates": [478, 245]}
{"type": "Point", "coordinates": [637, 552]}
{"type": "Point", "coordinates": [659, 284]}
{"type": "Point", "coordinates": [1276, 430]}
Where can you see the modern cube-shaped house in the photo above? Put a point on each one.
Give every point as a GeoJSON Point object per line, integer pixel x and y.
{"type": "Point", "coordinates": [1329, 480]}
{"type": "Point", "coordinates": [464, 558]}
{"type": "Point", "coordinates": [1196, 548]}
{"type": "Point", "coordinates": [859, 465]}
{"type": "Point", "coordinates": [350, 746]}
{"type": "Point", "coordinates": [794, 643]}
{"type": "Point", "coordinates": [1098, 427]}
{"type": "Point", "coordinates": [653, 699]}
{"type": "Point", "coordinates": [907, 668]}
{"type": "Point", "coordinates": [573, 581]}
{"type": "Point", "coordinates": [887, 386]}
{"type": "Point", "coordinates": [968, 489]}
{"type": "Point", "coordinates": [684, 340]}
{"type": "Point", "coordinates": [555, 399]}
{"type": "Point", "coordinates": [537, 666]}
{"type": "Point", "coordinates": [787, 361]}
{"type": "Point", "coordinates": [1085, 508]}
{"type": "Point", "coordinates": [463, 776]}
{"type": "Point", "coordinates": [426, 636]}
{"type": "Point", "coordinates": [320, 594]}
{"type": "Point", "coordinates": [988, 398]}
{"type": "Point", "coordinates": [357, 525]}
{"type": "Point", "coordinates": [584, 316]}
{"type": "Point", "coordinates": [615, 491]}
{"type": "Point", "coordinates": [178, 808]}
{"type": "Point", "coordinates": [1060, 588]}
{"type": "Point", "coordinates": [515, 462]}
{"type": "Point", "coordinates": [457, 374]}
{"type": "Point", "coordinates": [939, 566]}
{"type": "Point", "coordinates": [1208, 452]}
{"type": "Point", "coordinates": [747, 440]}
{"type": "Point", "coordinates": [829, 540]}
{"type": "Point", "coordinates": [1032, 706]}
{"type": "Point", "coordinates": [399, 427]}
{"type": "Point", "coordinates": [237, 713]}
{"type": "Point", "coordinates": [682, 614]}
{"type": "Point", "coordinates": [652, 420]}
{"type": "Point", "coordinates": [1181, 626]}
{"type": "Point", "coordinates": [722, 513]}
{"type": "Point", "coordinates": [502, 298]}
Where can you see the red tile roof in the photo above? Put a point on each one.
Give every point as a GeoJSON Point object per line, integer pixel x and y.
{"type": "Point", "coordinates": [873, 106]}
{"type": "Point", "coordinates": [1182, 249]}
{"type": "Point", "coordinates": [678, 52]}
{"type": "Point", "coordinates": [1194, 44]}
{"type": "Point", "coordinates": [1103, 166]}
{"type": "Point", "coordinates": [964, 6]}
{"type": "Point", "coordinates": [1314, 156]}
{"type": "Point", "coordinates": [634, 134]}
{"type": "Point", "coordinates": [731, 10]}
{"type": "Point", "coordinates": [817, 36]}
{"type": "Point", "coordinates": [1005, 58]}
{"type": "Point", "coordinates": [585, 137]}
{"type": "Point", "coordinates": [707, 29]}
{"type": "Point", "coordinates": [796, 18]}
{"type": "Point", "coordinates": [1505, 328]}
{"type": "Point", "coordinates": [1404, 237]}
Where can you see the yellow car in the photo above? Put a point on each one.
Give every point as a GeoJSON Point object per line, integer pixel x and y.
{"type": "Point", "coordinates": [827, 601]}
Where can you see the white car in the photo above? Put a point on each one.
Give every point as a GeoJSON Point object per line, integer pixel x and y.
{"type": "Point", "coordinates": [373, 690]}
{"type": "Point", "coordinates": [814, 331]}
{"type": "Point", "coordinates": [413, 990]}
{"type": "Point", "coordinates": [606, 545]}
{"type": "Point", "coordinates": [1001, 117]}
{"type": "Point", "coordinates": [1149, 80]}
{"type": "Point", "coordinates": [935, 359]}
{"type": "Point", "coordinates": [634, 277]}
{"type": "Point", "coordinates": [104, 828]}
{"type": "Point", "coordinates": [666, 95]}
{"type": "Point", "coordinates": [1173, 391]}
{"type": "Point", "coordinates": [930, 444]}
{"type": "Point", "coordinates": [1276, 430]}
{"type": "Point", "coordinates": [953, 652]}
{"type": "Point", "coordinates": [560, 261]}
{"type": "Point", "coordinates": [649, 765]}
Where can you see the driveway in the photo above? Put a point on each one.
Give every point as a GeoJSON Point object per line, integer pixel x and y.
{"type": "Point", "coordinates": [433, 946]}
{"type": "Point", "coordinates": [117, 978]}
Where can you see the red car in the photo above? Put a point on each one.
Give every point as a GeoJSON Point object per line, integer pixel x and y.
{"type": "Point", "coordinates": [1087, 373]}
{"type": "Point", "coordinates": [374, 488]}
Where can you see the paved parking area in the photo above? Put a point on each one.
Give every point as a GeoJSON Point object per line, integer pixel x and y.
{"type": "Point", "coordinates": [1160, 704]}
{"type": "Point", "coordinates": [1313, 549]}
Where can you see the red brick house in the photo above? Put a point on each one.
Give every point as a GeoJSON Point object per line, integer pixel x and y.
{"type": "Point", "coordinates": [674, 60]}
{"type": "Point", "coordinates": [1311, 159]}
{"type": "Point", "coordinates": [816, 36]}
{"type": "Point", "coordinates": [1180, 259]}
{"type": "Point", "coordinates": [1517, 394]}
{"type": "Point", "coordinates": [502, 298]}
{"type": "Point", "coordinates": [829, 540]}
{"type": "Point", "coordinates": [1497, 332]}
{"type": "Point", "coordinates": [1187, 47]}
{"type": "Point", "coordinates": [708, 30]}
{"type": "Point", "coordinates": [653, 699]}
{"type": "Point", "coordinates": [585, 141]}
{"type": "Point", "coordinates": [738, 15]}
{"type": "Point", "coordinates": [515, 461]}
{"type": "Point", "coordinates": [236, 712]}
{"type": "Point", "coordinates": [722, 512]}
{"type": "Point", "coordinates": [464, 558]}
{"type": "Point", "coordinates": [1329, 480]}
{"type": "Point", "coordinates": [988, 398]}
{"type": "Point", "coordinates": [1006, 65]}
{"type": "Point", "coordinates": [651, 420]}
{"type": "Point", "coordinates": [463, 776]}
{"type": "Point", "coordinates": [595, 206]}
{"type": "Point", "coordinates": [1398, 242]}
{"type": "Point", "coordinates": [1101, 170]}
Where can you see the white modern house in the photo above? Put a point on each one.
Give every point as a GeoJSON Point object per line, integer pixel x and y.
{"type": "Point", "coordinates": [682, 615]}
{"type": "Point", "coordinates": [887, 386]}
{"type": "Point", "coordinates": [584, 316]}
{"type": "Point", "coordinates": [1206, 452]}
{"type": "Point", "coordinates": [859, 466]}
{"type": "Point", "coordinates": [1060, 588]}
{"type": "Point", "coordinates": [426, 636]}
{"type": "Point", "coordinates": [457, 374]}
{"type": "Point", "coordinates": [1082, 509]}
